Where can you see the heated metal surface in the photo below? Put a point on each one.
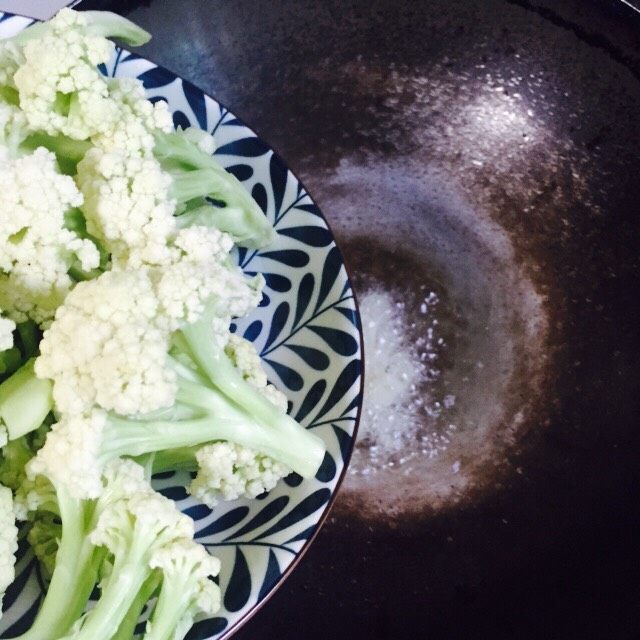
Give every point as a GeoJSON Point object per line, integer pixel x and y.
{"type": "Point", "coordinates": [489, 150]}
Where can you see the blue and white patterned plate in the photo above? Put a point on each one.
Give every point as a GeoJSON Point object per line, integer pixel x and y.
{"type": "Point", "coordinates": [308, 332]}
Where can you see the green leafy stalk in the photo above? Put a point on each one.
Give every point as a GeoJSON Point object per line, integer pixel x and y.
{"type": "Point", "coordinates": [25, 401]}
{"type": "Point", "coordinates": [75, 573]}
{"type": "Point", "coordinates": [204, 414]}
{"type": "Point", "coordinates": [127, 627]}
{"type": "Point", "coordinates": [196, 176]}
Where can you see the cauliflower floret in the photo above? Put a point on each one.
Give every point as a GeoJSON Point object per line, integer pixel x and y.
{"type": "Point", "coordinates": [139, 119]}
{"type": "Point", "coordinates": [67, 94]}
{"type": "Point", "coordinates": [108, 344]}
{"type": "Point", "coordinates": [127, 206]}
{"type": "Point", "coordinates": [36, 251]}
{"type": "Point", "coordinates": [79, 473]}
{"type": "Point", "coordinates": [186, 589]}
{"type": "Point", "coordinates": [198, 274]}
{"type": "Point", "coordinates": [106, 347]}
{"type": "Point", "coordinates": [8, 541]}
{"type": "Point", "coordinates": [244, 355]}
{"type": "Point", "coordinates": [228, 471]}
{"type": "Point", "coordinates": [10, 59]}
{"type": "Point", "coordinates": [13, 130]}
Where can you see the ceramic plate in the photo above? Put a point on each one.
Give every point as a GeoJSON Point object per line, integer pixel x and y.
{"type": "Point", "coordinates": [307, 330]}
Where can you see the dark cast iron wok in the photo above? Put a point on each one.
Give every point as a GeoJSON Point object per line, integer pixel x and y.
{"type": "Point", "coordinates": [487, 150]}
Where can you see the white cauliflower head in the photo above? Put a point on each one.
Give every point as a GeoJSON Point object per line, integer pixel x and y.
{"type": "Point", "coordinates": [228, 471]}
{"type": "Point", "coordinates": [71, 454]}
{"type": "Point", "coordinates": [127, 206]}
{"type": "Point", "coordinates": [36, 251]}
{"type": "Point", "coordinates": [67, 94]}
{"type": "Point", "coordinates": [107, 348]}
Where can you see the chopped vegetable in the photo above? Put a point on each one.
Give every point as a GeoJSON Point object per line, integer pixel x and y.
{"type": "Point", "coordinates": [117, 292]}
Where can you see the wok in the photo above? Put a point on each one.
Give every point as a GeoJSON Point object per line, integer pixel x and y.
{"type": "Point", "coordinates": [487, 150]}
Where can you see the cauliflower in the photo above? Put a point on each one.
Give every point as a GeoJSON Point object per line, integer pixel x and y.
{"type": "Point", "coordinates": [139, 120]}
{"type": "Point", "coordinates": [228, 471]}
{"type": "Point", "coordinates": [106, 347]}
{"type": "Point", "coordinates": [127, 206]}
{"type": "Point", "coordinates": [8, 541]}
{"type": "Point", "coordinates": [186, 588]}
{"type": "Point", "coordinates": [134, 530]}
{"type": "Point", "coordinates": [67, 95]}
{"type": "Point", "coordinates": [36, 251]}
{"type": "Point", "coordinates": [245, 357]}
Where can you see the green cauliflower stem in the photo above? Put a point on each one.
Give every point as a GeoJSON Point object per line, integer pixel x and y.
{"type": "Point", "coordinates": [197, 175]}
{"type": "Point", "coordinates": [133, 530]}
{"type": "Point", "coordinates": [78, 560]}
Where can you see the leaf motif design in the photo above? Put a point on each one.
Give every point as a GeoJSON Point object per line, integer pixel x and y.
{"type": "Point", "coordinates": [278, 173]}
{"type": "Point", "coordinates": [240, 171]}
{"type": "Point", "coordinates": [277, 282]}
{"type": "Point", "coordinates": [303, 535]}
{"type": "Point", "coordinates": [23, 623]}
{"type": "Point", "coordinates": [314, 395]}
{"type": "Point", "coordinates": [353, 404]}
{"type": "Point", "coordinates": [253, 331]}
{"type": "Point", "coordinates": [248, 147]}
{"type": "Point", "coordinates": [180, 120]}
{"type": "Point", "coordinates": [207, 629]}
{"type": "Point", "coordinates": [303, 509]}
{"type": "Point", "coordinates": [290, 257]}
{"type": "Point", "coordinates": [290, 378]}
{"type": "Point", "coordinates": [156, 77]}
{"type": "Point", "coordinates": [271, 576]}
{"type": "Point", "coordinates": [268, 512]}
{"type": "Point", "coordinates": [344, 441]}
{"type": "Point", "coordinates": [293, 480]}
{"type": "Point", "coordinates": [349, 314]}
{"type": "Point", "coordinates": [309, 235]}
{"type": "Point", "coordinates": [197, 512]}
{"type": "Point", "coordinates": [305, 291]}
{"type": "Point", "coordinates": [130, 56]}
{"type": "Point", "coordinates": [315, 358]}
{"type": "Point", "coordinates": [340, 341]}
{"type": "Point", "coordinates": [15, 588]}
{"type": "Point", "coordinates": [239, 587]}
{"type": "Point", "coordinates": [174, 493]}
{"type": "Point", "coordinates": [310, 208]}
{"type": "Point", "coordinates": [330, 271]}
{"type": "Point", "coordinates": [259, 194]}
{"type": "Point", "coordinates": [345, 381]}
{"type": "Point", "coordinates": [327, 470]}
{"type": "Point", "coordinates": [196, 101]}
{"type": "Point", "coordinates": [279, 320]}
{"type": "Point", "coordinates": [224, 522]}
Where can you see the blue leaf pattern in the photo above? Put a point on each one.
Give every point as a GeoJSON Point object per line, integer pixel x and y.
{"type": "Point", "coordinates": [271, 576]}
{"type": "Point", "coordinates": [239, 589]}
{"type": "Point", "coordinates": [309, 350]}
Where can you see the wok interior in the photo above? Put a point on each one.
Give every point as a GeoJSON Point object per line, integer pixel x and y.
{"type": "Point", "coordinates": [494, 146]}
